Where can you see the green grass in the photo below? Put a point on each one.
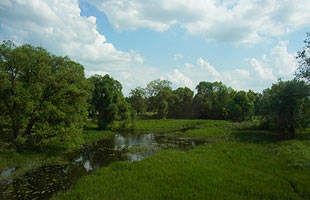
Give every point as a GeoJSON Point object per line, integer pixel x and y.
{"type": "Point", "coordinates": [28, 160]}
{"type": "Point", "coordinates": [165, 125]}
{"type": "Point", "coordinates": [236, 164]}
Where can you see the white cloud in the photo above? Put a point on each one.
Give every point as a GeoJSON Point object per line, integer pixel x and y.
{"type": "Point", "coordinates": [58, 26]}
{"type": "Point", "coordinates": [258, 75]}
{"type": "Point", "coordinates": [204, 71]}
{"type": "Point", "coordinates": [234, 21]}
{"type": "Point", "coordinates": [179, 79]}
{"type": "Point", "coordinates": [279, 64]}
{"type": "Point", "coordinates": [208, 68]}
{"type": "Point", "coordinates": [264, 73]}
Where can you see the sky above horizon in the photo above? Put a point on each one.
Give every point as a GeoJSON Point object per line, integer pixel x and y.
{"type": "Point", "coordinates": [246, 44]}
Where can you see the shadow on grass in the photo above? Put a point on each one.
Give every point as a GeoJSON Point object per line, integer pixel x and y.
{"type": "Point", "coordinates": [261, 136]}
{"type": "Point", "coordinates": [256, 136]}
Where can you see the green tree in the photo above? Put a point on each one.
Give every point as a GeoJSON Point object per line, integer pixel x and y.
{"type": "Point", "coordinates": [137, 99]}
{"type": "Point", "coordinates": [154, 87]}
{"type": "Point", "coordinates": [212, 100]}
{"type": "Point", "coordinates": [163, 107]}
{"type": "Point", "coordinates": [242, 106]}
{"type": "Point", "coordinates": [162, 101]}
{"type": "Point", "coordinates": [181, 104]}
{"type": "Point", "coordinates": [113, 111]}
{"type": "Point", "coordinates": [153, 90]}
{"type": "Point", "coordinates": [303, 58]}
{"type": "Point", "coordinates": [42, 96]}
{"type": "Point", "coordinates": [286, 106]}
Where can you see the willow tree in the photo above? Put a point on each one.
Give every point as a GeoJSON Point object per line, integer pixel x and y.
{"type": "Point", "coordinates": [42, 96]}
{"type": "Point", "coordinates": [286, 107]}
{"type": "Point", "coordinates": [113, 111]}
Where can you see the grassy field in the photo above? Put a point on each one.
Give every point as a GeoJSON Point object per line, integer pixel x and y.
{"type": "Point", "coordinates": [165, 125]}
{"type": "Point", "coordinates": [235, 164]}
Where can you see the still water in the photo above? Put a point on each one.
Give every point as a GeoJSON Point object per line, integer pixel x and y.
{"type": "Point", "coordinates": [44, 181]}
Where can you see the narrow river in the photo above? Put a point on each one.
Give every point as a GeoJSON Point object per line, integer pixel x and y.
{"type": "Point", "coordinates": [43, 182]}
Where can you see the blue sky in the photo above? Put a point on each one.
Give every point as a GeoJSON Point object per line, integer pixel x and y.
{"type": "Point", "coordinates": [247, 44]}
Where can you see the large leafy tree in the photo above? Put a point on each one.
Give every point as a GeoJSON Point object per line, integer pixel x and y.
{"type": "Point", "coordinates": [137, 99]}
{"type": "Point", "coordinates": [113, 111]}
{"type": "Point", "coordinates": [42, 96]}
{"type": "Point", "coordinates": [212, 100]}
{"type": "Point", "coordinates": [181, 104]}
{"type": "Point", "coordinates": [303, 58]}
{"type": "Point", "coordinates": [242, 106]}
{"type": "Point", "coordinates": [155, 91]}
{"type": "Point", "coordinates": [286, 107]}
{"type": "Point", "coordinates": [162, 101]}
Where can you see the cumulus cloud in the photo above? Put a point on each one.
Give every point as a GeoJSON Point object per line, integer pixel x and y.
{"type": "Point", "coordinates": [278, 64]}
{"type": "Point", "coordinates": [202, 70]}
{"type": "Point", "coordinates": [259, 74]}
{"type": "Point", "coordinates": [179, 79]}
{"type": "Point", "coordinates": [58, 26]}
{"type": "Point", "coordinates": [234, 21]}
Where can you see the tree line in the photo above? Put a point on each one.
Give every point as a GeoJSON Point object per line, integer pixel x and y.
{"type": "Point", "coordinates": [46, 99]}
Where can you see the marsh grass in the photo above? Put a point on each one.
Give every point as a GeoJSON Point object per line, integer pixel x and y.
{"type": "Point", "coordinates": [165, 125]}
{"type": "Point", "coordinates": [235, 164]}
{"type": "Point", "coordinates": [217, 171]}
{"type": "Point", "coordinates": [54, 155]}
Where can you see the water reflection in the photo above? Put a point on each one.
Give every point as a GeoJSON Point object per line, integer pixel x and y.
{"type": "Point", "coordinates": [43, 182]}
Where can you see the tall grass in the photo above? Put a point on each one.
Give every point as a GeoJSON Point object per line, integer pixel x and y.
{"type": "Point", "coordinates": [165, 125]}
{"type": "Point", "coordinates": [241, 164]}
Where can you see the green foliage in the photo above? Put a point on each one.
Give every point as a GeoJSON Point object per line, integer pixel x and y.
{"type": "Point", "coordinates": [226, 170]}
{"type": "Point", "coordinates": [156, 92]}
{"type": "Point", "coordinates": [241, 107]}
{"type": "Point", "coordinates": [137, 99]}
{"type": "Point", "coordinates": [212, 100]}
{"type": "Point", "coordinates": [303, 58]}
{"type": "Point", "coordinates": [113, 111]}
{"type": "Point", "coordinates": [286, 106]}
{"type": "Point", "coordinates": [154, 87]}
{"type": "Point", "coordinates": [181, 104]}
{"type": "Point", "coordinates": [162, 109]}
{"type": "Point", "coordinates": [42, 97]}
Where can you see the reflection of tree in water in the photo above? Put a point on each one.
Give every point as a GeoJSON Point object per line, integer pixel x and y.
{"type": "Point", "coordinates": [46, 180]}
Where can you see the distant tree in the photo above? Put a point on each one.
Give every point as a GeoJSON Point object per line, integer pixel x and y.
{"type": "Point", "coordinates": [286, 106]}
{"type": "Point", "coordinates": [205, 89]}
{"type": "Point", "coordinates": [137, 99]}
{"type": "Point", "coordinates": [163, 107]}
{"type": "Point", "coordinates": [42, 96]}
{"type": "Point", "coordinates": [303, 58]}
{"type": "Point", "coordinates": [162, 101]}
{"type": "Point", "coordinates": [254, 97]}
{"type": "Point", "coordinates": [242, 106]}
{"type": "Point", "coordinates": [153, 90]}
{"type": "Point", "coordinates": [181, 104]}
{"type": "Point", "coordinates": [154, 87]}
{"type": "Point", "coordinates": [212, 100]}
{"type": "Point", "coordinates": [113, 111]}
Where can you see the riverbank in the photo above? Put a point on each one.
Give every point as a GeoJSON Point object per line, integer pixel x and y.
{"type": "Point", "coordinates": [235, 164]}
{"type": "Point", "coordinates": [14, 164]}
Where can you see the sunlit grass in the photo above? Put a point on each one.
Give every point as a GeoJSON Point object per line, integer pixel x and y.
{"type": "Point", "coordinates": [165, 125]}
{"type": "Point", "coordinates": [229, 170]}
{"type": "Point", "coordinates": [234, 164]}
